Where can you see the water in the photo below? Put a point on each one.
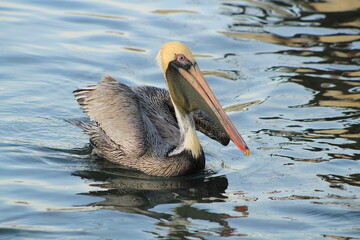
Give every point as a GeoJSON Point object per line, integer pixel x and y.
{"type": "Point", "coordinates": [287, 73]}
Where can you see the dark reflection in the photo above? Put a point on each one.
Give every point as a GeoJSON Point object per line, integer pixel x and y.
{"type": "Point", "coordinates": [185, 211]}
{"type": "Point", "coordinates": [330, 92]}
{"type": "Point", "coordinates": [324, 35]}
{"type": "Point", "coordinates": [131, 191]}
{"type": "Point", "coordinates": [337, 181]}
{"type": "Point", "coordinates": [334, 86]}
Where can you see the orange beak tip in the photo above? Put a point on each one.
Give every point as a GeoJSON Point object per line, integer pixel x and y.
{"type": "Point", "coordinates": [247, 152]}
{"type": "Point", "coordinates": [244, 148]}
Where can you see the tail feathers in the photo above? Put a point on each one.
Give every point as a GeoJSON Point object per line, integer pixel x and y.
{"type": "Point", "coordinates": [85, 124]}
{"type": "Point", "coordinates": [102, 144]}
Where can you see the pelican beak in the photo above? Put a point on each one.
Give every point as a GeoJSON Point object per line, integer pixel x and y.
{"type": "Point", "coordinates": [194, 77]}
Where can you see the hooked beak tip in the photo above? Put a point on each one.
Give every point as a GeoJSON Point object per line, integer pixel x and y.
{"type": "Point", "coordinates": [246, 152]}
{"type": "Point", "coordinates": [244, 148]}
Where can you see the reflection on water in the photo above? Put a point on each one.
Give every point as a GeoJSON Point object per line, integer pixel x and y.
{"type": "Point", "coordinates": [131, 191]}
{"type": "Point", "coordinates": [352, 179]}
{"type": "Point", "coordinates": [325, 38]}
{"type": "Point", "coordinates": [146, 191]}
{"type": "Point", "coordinates": [319, 42]}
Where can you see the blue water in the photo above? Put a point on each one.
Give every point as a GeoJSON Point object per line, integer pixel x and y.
{"type": "Point", "coordinates": [287, 73]}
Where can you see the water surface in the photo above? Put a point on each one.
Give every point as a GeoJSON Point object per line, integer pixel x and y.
{"type": "Point", "coordinates": [287, 73]}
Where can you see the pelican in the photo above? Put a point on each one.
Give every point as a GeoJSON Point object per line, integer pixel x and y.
{"type": "Point", "coordinates": [154, 130]}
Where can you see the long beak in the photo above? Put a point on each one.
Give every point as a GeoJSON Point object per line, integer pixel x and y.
{"type": "Point", "coordinates": [195, 78]}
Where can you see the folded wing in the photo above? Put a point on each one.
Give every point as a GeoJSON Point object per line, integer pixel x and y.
{"type": "Point", "coordinates": [116, 110]}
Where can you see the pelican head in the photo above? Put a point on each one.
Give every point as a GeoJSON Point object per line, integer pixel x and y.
{"type": "Point", "coordinates": [189, 90]}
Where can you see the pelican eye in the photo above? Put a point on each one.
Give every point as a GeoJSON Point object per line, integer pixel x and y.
{"type": "Point", "coordinates": [181, 58]}
{"type": "Point", "coordinates": [182, 61]}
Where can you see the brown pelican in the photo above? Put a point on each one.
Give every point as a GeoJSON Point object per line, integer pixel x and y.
{"type": "Point", "coordinates": [151, 129]}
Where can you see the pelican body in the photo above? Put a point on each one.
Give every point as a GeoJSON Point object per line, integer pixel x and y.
{"type": "Point", "coordinates": [152, 129]}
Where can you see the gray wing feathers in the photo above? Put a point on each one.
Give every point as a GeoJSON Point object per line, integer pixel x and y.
{"type": "Point", "coordinates": [116, 110]}
{"type": "Point", "coordinates": [155, 105]}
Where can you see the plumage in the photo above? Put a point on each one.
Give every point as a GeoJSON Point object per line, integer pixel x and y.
{"type": "Point", "coordinates": [148, 128]}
